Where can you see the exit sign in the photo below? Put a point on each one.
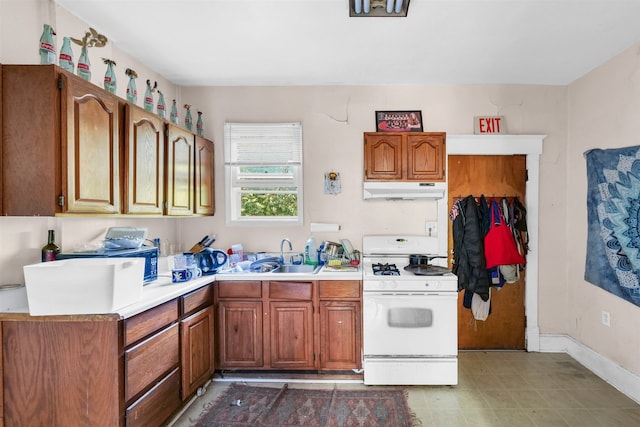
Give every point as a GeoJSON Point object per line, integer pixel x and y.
{"type": "Point", "coordinates": [489, 125]}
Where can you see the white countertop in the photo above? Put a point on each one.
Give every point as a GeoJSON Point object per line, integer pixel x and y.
{"type": "Point", "coordinates": [162, 289]}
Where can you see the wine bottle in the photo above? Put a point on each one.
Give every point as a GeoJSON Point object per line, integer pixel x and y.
{"type": "Point", "coordinates": [50, 250]}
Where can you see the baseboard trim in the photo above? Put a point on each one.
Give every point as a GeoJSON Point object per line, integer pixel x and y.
{"type": "Point", "coordinates": [625, 381]}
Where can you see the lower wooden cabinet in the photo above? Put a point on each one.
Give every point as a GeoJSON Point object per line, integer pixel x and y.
{"type": "Point", "coordinates": [239, 334]}
{"type": "Point", "coordinates": [156, 405]}
{"type": "Point", "coordinates": [62, 371]}
{"type": "Point", "coordinates": [196, 332]}
{"type": "Point", "coordinates": [147, 362]}
{"type": "Point", "coordinates": [291, 330]}
{"type": "Point", "coordinates": [288, 325]}
{"type": "Point", "coordinates": [340, 335]}
{"type": "Point", "coordinates": [340, 324]}
{"type": "Point", "coordinates": [101, 370]}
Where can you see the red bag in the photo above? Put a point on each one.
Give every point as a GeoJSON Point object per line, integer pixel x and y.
{"type": "Point", "coordinates": [499, 245]}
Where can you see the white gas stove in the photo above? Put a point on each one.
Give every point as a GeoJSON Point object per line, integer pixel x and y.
{"type": "Point", "coordinates": [410, 312]}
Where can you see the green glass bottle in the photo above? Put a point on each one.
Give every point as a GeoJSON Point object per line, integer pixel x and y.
{"type": "Point", "coordinates": [188, 121]}
{"type": "Point", "coordinates": [66, 56]}
{"type": "Point", "coordinates": [50, 250]}
{"type": "Point", "coordinates": [47, 46]}
{"type": "Point", "coordinates": [84, 65]}
{"type": "Point", "coordinates": [200, 125]}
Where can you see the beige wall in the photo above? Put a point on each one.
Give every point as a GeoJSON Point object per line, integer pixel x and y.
{"type": "Point", "coordinates": [21, 23]}
{"type": "Point", "coordinates": [334, 119]}
{"type": "Point", "coordinates": [604, 107]}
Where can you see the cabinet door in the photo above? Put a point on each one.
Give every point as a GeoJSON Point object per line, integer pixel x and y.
{"type": "Point", "coordinates": [90, 120]}
{"type": "Point", "coordinates": [383, 156]}
{"type": "Point", "coordinates": [196, 333]}
{"type": "Point", "coordinates": [180, 154]}
{"type": "Point", "coordinates": [291, 334]}
{"type": "Point", "coordinates": [143, 161]}
{"type": "Point", "coordinates": [62, 373]}
{"type": "Point", "coordinates": [340, 336]}
{"type": "Point", "coordinates": [204, 180]}
{"type": "Point", "coordinates": [426, 157]}
{"type": "Point", "coordinates": [239, 334]}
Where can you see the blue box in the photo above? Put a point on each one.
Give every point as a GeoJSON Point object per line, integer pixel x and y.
{"type": "Point", "coordinates": [149, 253]}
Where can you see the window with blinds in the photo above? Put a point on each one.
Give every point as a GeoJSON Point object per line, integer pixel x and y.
{"type": "Point", "coordinates": [263, 172]}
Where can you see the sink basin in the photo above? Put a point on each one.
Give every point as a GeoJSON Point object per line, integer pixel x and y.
{"type": "Point", "coordinates": [297, 268]}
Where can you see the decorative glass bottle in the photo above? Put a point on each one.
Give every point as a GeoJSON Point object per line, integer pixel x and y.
{"type": "Point", "coordinates": [148, 96]}
{"type": "Point", "coordinates": [200, 125]}
{"type": "Point", "coordinates": [161, 108]}
{"type": "Point", "coordinates": [110, 83]}
{"type": "Point", "coordinates": [132, 90]}
{"type": "Point", "coordinates": [47, 46]}
{"type": "Point", "coordinates": [188, 121]}
{"type": "Point", "coordinates": [84, 65]}
{"type": "Point", "coordinates": [174, 117]}
{"type": "Point", "coordinates": [66, 56]}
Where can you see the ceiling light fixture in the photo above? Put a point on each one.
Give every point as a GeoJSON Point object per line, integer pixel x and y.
{"type": "Point", "coordinates": [378, 7]}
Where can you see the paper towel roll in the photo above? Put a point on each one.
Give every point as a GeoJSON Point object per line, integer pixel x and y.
{"type": "Point", "coordinates": [319, 227]}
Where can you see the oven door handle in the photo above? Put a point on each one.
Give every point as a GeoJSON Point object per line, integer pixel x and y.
{"type": "Point", "coordinates": [453, 295]}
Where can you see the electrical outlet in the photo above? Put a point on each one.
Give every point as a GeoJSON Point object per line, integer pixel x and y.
{"type": "Point", "coordinates": [606, 318]}
{"type": "Point", "coordinates": [431, 228]}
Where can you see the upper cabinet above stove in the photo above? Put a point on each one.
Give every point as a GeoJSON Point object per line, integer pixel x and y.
{"type": "Point", "coordinates": [404, 156]}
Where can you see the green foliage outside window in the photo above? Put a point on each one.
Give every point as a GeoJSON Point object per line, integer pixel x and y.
{"type": "Point", "coordinates": [269, 204]}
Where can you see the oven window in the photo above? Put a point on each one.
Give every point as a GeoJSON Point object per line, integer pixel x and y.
{"type": "Point", "coordinates": [409, 317]}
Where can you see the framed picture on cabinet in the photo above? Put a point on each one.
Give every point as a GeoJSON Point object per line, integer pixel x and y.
{"type": "Point", "coordinates": [399, 121]}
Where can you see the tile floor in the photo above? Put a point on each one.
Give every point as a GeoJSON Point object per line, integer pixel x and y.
{"type": "Point", "coordinates": [499, 389]}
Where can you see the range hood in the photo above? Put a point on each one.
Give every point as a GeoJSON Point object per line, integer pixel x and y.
{"type": "Point", "coordinates": [403, 190]}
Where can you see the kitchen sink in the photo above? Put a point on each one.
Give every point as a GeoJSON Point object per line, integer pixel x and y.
{"type": "Point", "coordinates": [297, 268]}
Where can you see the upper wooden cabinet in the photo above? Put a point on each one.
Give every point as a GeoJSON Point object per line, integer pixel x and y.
{"type": "Point", "coordinates": [70, 147]}
{"type": "Point", "coordinates": [404, 156]}
{"type": "Point", "coordinates": [143, 161]}
{"type": "Point", "coordinates": [60, 143]}
{"type": "Point", "coordinates": [180, 173]}
{"type": "Point", "coordinates": [204, 183]}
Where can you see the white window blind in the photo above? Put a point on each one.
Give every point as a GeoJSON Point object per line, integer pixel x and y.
{"type": "Point", "coordinates": [263, 143]}
{"type": "Point", "coordinates": [263, 173]}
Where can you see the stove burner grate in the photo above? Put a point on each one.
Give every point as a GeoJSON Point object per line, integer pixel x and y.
{"type": "Point", "coordinates": [380, 269]}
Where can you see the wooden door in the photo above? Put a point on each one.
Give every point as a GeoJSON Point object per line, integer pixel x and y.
{"type": "Point", "coordinates": [180, 154]}
{"type": "Point", "coordinates": [291, 333]}
{"type": "Point", "coordinates": [196, 334]}
{"type": "Point", "coordinates": [383, 156]}
{"type": "Point", "coordinates": [493, 176]}
{"type": "Point", "coordinates": [204, 183]}
{"type": "Point", "coordinates": [425, 156]}
{"type": "Point", "coordinates": [90, 120]}
{"type": "Point", "coordinates": [143, 162]}
{"type": "Point", "coordinates": [240, 330]}
{"type": "Point", "coordinates": [340, 335]}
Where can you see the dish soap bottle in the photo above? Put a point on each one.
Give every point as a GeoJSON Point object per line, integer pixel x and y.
{"type": "Point", "coordinates": [310, 251]}
{"type": "Point", "coordinates": [50, 250]}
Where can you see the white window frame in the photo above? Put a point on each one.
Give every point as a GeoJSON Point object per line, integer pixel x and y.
{"type": "Point", "coordinates": [262, 144]}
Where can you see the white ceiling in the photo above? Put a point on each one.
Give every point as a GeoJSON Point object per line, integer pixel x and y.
{"type": "Point", "coordinates": [315, 42]}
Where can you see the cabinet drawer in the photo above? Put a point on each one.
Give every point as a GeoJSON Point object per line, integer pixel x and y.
{"type": "Point", "coordinates": [240, 289]}
{"type": "Point", "coordinates": [157, 404]}
{"type": "Point", "coordinates": [196, 299]}
{"type": "Point", "coordinates": [291, 290]}
{"type": "Point", "coordinates": [149, 360]}
{"type": "Point", "coordinates": [145, 323]}
{"type": "Point", "coordinates": [340, 289]}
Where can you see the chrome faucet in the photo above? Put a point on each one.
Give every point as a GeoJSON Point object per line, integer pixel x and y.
{"type": "Point", "coordinates": [282, 250]}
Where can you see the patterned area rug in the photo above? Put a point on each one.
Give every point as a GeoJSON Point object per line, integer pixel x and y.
{"type": "Point", "coordinates": [243, 405]}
